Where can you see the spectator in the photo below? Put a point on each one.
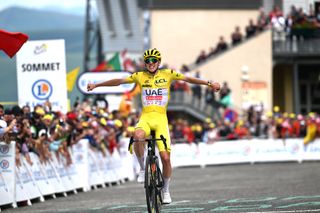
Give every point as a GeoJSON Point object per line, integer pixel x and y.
{"type": "Point", "coordinates": [241, 130]}
{"type": "Point", "coordinates": [278, 25]}
{"type": "Point", "coordinates": [196, 90]}
{"type": "Point", "coordinates": [23, 138]}
{"type": "Point", "coordinates": [225, 130]}
{"type": "Point", "coordinates": [187, 132]}
{"type": "Point", "coordinates": [236, 36]}
{"type": "Point", "coordinates": [6, 129]}
{"type": "Point", "coordinates": [177, 132]}
{"type": "Point", "coordinates": [210, 136]}
{"type": "Point", "coordinates": [275, 12]}
{"type": "Point", "coordinates": [26, 111]}
{"type": "Point", "coordinates": [185, 68]}
{"type": "Point", "coordinates": [288, 26]}
{"type": "Point", "coordinates": [301, 17]}
{"type": "Point", "coordinates": [202, 57]}
{"type": "Point", "coordinates": [262, 20]}
{"type": "Point", "coordinates": [212, 51]}
{"type": "Point", "coordinates": [210, 98]}
{"type": "Point", "coordinates": [222, 45]}
{"type": "Point", "coordinates": [198, 132]}
{"type": "Point", "coordinates": [294, 12]}
{"type": "Point", "coordinates": [1, 111]}
{"type": "Point", "coordinates": [224, 93]}
{"type": "Point", "coordinates": [101, 102]}
{"type": "Point", "coordinates": [251, 29]}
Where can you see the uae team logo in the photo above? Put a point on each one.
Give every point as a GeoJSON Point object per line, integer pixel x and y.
{"type": "Point", "coordinates": [42, 89]}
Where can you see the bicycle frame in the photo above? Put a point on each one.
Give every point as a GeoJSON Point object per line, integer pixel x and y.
{"type": "Point", "coordinates": [154, 182]}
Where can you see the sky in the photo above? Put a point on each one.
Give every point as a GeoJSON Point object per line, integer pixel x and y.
{"type": "Point", "coordinates": [77, 6]}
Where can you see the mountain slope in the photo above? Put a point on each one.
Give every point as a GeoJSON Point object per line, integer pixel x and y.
{"type": "Point", "coordinates": [40, 25]}
{"type": "Point", "coordinates": [25, 19]}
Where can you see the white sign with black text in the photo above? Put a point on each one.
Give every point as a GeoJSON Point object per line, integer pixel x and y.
{"type": "Point", "coordinates": [41, 74]}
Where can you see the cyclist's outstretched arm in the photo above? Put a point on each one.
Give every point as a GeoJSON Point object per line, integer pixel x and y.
{"type": "Point", "coordinates": [112, 82]}
{"type": "Point", "coordinates": [214, 85]}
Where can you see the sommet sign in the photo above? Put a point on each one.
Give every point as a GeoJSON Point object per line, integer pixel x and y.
{"type": "Point", "coordinates": [95, 77]}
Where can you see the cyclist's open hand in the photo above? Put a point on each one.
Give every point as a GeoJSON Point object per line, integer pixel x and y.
{"type": "Point", "coordinates": [90, 87]}
{"type": "Point", "coordinates": [215, 86]}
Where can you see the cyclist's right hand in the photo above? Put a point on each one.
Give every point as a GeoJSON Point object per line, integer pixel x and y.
{"type": "Point", "coordinates": [90, 87]}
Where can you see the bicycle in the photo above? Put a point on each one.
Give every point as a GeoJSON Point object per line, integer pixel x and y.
{"type": "Point", "coordinates": [153, 180]}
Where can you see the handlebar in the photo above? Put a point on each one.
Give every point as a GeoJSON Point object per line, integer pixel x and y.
{"type": "Point", "coordinates": [163, 139]}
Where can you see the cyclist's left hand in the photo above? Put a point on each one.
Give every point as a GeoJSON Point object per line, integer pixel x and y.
{"type": "Point", "coordinates": [215, 86]}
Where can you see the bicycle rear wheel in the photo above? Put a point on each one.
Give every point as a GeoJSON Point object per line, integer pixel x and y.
{"type": "Point", "coordinates": [153, 196]}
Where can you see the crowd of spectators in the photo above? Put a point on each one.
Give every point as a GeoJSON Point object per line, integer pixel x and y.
{"type": "Point", "coordinates": [297, 23]}
{"type": "Point", "coordinates": [255, 124]}
{"type": "Point", "coordinates": [253, 28]}
{"type": "Point", "coordinates": [46, 132]}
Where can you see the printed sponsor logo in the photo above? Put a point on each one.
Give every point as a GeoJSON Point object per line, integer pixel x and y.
{"type": "Point", "coordinates": [40, 49]}
{"type": "Point", "coordinates": [4, 149]}
{"type": "Point", "coordinates": [4, 164]}
{"type": "Point", "coordinates": [50, 173]}
{"type": "Point", "coordinates": [247, 151]}
{"type": "Point", "coordinates": [160, 82]}
{"type": "Point", "coordinates": [295, 149]}
{"type": "Point", "coordinates": [154, 98]}
{"type": "Point", "coordinates": [155, 92]}
{"type": "Point", "coordinates": [42, 89]}
{"type": "Point", "coordinates": [79, 158]}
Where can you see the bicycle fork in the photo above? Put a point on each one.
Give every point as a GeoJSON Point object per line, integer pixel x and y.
{"type": "Point", "coordinates": [160, 181]}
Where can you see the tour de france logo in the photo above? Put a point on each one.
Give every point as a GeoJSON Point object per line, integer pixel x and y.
{"type": "Point", "coordinates": [42, 89]}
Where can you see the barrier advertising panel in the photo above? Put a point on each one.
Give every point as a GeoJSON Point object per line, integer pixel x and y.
{"type": "Point", "coordinates": [7, 171]}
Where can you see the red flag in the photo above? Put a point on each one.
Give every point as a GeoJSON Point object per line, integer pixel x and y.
{"type": "Point", "coordinates": [11, 43]}
{"type": "Point", "coordinates": [101, 67]}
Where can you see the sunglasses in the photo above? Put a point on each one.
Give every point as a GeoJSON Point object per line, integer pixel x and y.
{"type": "Point", "coordinates": [151, 60]}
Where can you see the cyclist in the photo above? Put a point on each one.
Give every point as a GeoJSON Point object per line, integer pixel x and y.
{"type": "Point", "coordinates": [155, 93]}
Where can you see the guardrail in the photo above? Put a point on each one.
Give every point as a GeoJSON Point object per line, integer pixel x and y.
{"type": "Point", "coordinates": [244, 151]}
{"type": "Point", "coordinates": [294, 47]}
{"type": "Point", "coordinates": [25, 182]}
{"type": "Point", "coordinates": [183, 101]}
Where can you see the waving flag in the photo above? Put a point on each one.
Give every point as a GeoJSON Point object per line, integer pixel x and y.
{"type": "Point", "coordinates": [113, 64]}
{"type": "Point", "coordinates": [11, 43]}
{"type": "Point", "coordinates": [101, 67]}
{"type": "Point", "coordinates": [71, 78]}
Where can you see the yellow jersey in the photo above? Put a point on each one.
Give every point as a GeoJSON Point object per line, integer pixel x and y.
{"type": "Point", "coordinates": [155, 89]}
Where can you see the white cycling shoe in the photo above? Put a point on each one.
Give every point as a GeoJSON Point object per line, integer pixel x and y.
{"type": "Point", "coordinates": [140, 178]}
{"type": "Point", "coordinates": [166, 198]}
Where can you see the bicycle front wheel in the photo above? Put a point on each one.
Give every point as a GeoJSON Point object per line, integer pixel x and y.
{"type": "Point", "coordinates": [150, 184]}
